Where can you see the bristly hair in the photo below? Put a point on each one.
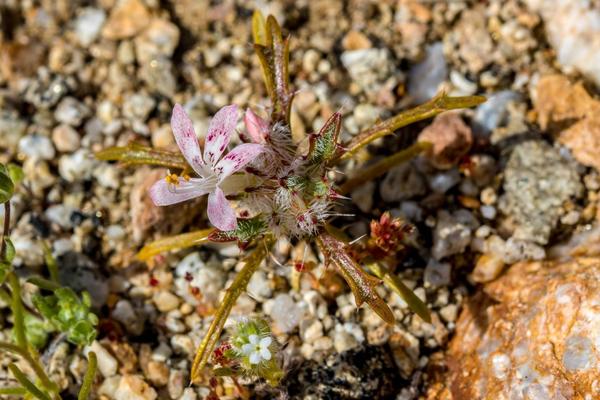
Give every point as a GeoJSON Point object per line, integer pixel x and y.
{"type": "Point", "coordinates": [282, 144]}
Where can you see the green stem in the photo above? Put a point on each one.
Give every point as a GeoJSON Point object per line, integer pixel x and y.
{"type": "Point", "coordinates": [88, 379]}
{"type": "Point", "coordinates": [26, 383]}
{"type": "Point", "coordinates": [396, 284]}
{"type": "Point", "coordinates": [135, 153]}
{"type": "Point", "coordinates": [12, 391]}
{"type": "Point", "coordinates": [381, 167]}
{"type": "Point", "coordinates": [238, 286]}
{"type": "Point", "coordinates": [178, 242]}
{"type": "Point", "coordinates": [5, 229]}
{"type": "Point", "coordinates": [43, 283]}
{"type": "Point", "coordinates": [433, 107]}
{"type": "Point", "coordinates": [17, 310]}
{"type": "Point", "coordinates": [51, 263]}
{"type": "Point", "coordinates": [37, 368]}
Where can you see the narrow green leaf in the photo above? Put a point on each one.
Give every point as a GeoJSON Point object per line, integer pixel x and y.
{"type": "Point", "coordinates": [178, 242]}
{"type": "Point", "coordinates": [259, 30]}
{"type": "Point", "coordinates": [88, 379]}
{"type": "Point", "coordinates": [26, 383]}
{"type": "Point", "coordinates": [17, 310]}
{"type": "Point", "coordinates": [273, 54]}
{"type": "Point", "coordinates": [362, 284]}
{"type": "Point", "coordinates": [381, 167]}
{"type": "Point", "coordinates": [433, 107]}
{"type": "Point", "coordinates": [251, 263]}
{"type": "Point", "coordinates": [43, 283]}
{"type": "Point", "coordinates": [33, 363]}
{"type": "Point", "coordinates": [138, 154]}
{"type": "Point", "coordinates": [13, 391]}
{"type": "Point", "coordinates": [50, 263]}
{"type": "Point", "coordinates": [396, 284]}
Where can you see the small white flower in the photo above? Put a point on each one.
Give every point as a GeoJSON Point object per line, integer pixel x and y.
{"type": "Point", "coordinates": [257, 349]}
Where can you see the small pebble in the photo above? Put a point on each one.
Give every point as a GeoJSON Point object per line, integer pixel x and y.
{"type": "Point", "coordinates": [107, 364]}
{"type": "Point", "coordinates": [133, 387]}
{"type": "Point", "coordinates": [488, 212]}
{"type": "Point", "coordinates": [165, 301]}
{"type": "Point", "coordinates": [285, 313]}
{"type": "Point", "coordinates": [88, 25]}
{"type": "Point", "coordinates": [65, 138]}
{"type": "Point", "coordinates": [71, 112]}
{"type": "Point", "coordinates": [37, 147]}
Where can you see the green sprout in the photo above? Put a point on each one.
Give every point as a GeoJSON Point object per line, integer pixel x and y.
{"type": "Point", "coordinates": [62, 311]}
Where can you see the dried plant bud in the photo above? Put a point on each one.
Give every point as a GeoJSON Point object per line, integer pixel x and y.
{"type": "Point", "coordinates": [388, 236]}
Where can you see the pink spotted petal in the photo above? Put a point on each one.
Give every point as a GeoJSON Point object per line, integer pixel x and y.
{"type": "Point", "coordinates": [237, 159]}
{"type": "Point", "coordinates": [220, 212]}
{"type": "Point", "coordinates": [165, 194]}
{"type": "Point", "coordinates": [219, 131]}
{"type": "Point", "coordinates": [183, 130]}
{"type": "Point", "coordinates": [257, 128]}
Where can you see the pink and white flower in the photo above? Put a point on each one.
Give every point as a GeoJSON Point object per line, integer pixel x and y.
{"type": "Point", "coordinates": [210, 167]}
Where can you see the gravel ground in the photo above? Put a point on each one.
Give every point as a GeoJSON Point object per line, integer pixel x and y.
{"type": "Point", "coordinates": [79, 76]}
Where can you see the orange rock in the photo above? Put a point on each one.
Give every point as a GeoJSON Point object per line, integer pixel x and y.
{"type": "Point", "coordinates": [126, 19]}
{"type": "Point", "coordinates": [355, 40]}
{"type": "Point", "coordinates": [568, 109]}
{"type": "Point", "coordinates": [451, 139]}
{"type": "Point", "coordinates": [558, 101]}
{"type": "Point", "coordinates": [531, 334]}
{"type": "Point", "coordinates": [487, 269]}
{"type": "Point", "coordinates": [583, 139]}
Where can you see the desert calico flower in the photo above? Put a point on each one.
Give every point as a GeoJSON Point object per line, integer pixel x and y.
{"type": "Point", "coordinates": [210, 167]}
{"type": "Point", "coordinates": [257, 349]}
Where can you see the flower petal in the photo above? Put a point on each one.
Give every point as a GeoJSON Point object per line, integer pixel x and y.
{"type": "Point", "coordinates": [237, 159]}
{"type": "Point", "coordinates": [220, 213]}
{"type": "Point", "coordinates": [253, 339]}
{"type": "Point", "coordinates": [257, 128]}
{"type": "Point", "coordinates": [164, 194]}
{"type": "Point", "coordinates": [247, 349]}
{"type": "Point", "coordinates": [254, 358]}
{"type": "Point", "coordinates": [265, 354]}
{"type": "Point", "coordinates": [219, 132]}
{"type": "Point", "coordinates": [265, 342]}
{"type": "Point", "coordinates": [183, 131]}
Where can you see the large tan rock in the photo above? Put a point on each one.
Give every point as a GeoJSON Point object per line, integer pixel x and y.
{"type": "Point", "coordinates": [532, 334]}
{"type": "Point", "coordinates": [568, 109]}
